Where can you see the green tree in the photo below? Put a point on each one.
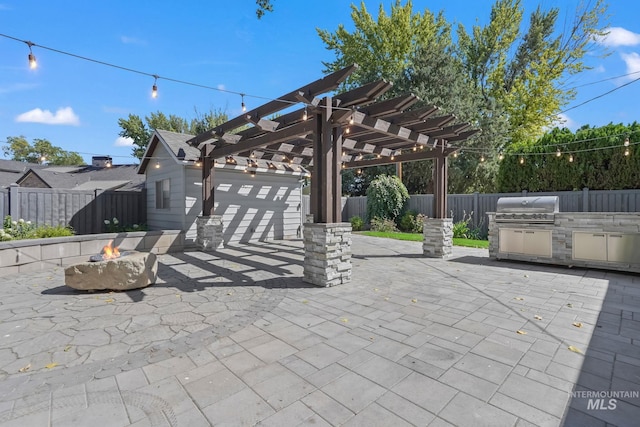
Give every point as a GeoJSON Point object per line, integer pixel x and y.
{"type": "Point", "coordinates": [527, 72]}
{"type": "Point", "coordinates": [264, 6]}
{"type": "Point", "coordinates": [18, 148]}
{"type": "Point", "coordinates": [140, 131]}
{"type": "Point", "coordinates": [386, 198]}
{"type": "Point", "coordinates": [383, 48]}
{"type": "Point", "coordinates": [507, 82]}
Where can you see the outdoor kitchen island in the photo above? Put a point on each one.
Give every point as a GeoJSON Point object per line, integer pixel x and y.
{"type": "Point", "coordinates": [531, 229]}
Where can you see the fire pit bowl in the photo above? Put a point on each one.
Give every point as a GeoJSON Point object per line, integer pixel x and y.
{"type": "Point", "coordinates": [130, 270]}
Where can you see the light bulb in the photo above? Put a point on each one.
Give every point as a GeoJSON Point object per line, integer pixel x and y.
{"type": "Point", "coordinates": [571, 158]}
{"type": "Point", "coordinates": [558, 153]}
{"type": "Point", "coordinates": [482, 159]}
{"type": "Point", "coordinates": [455, 155]}
{"type": "Point", "coordinates": [32, 61]}
{"type": "Point", "coordinates": [157, 165]}
{"type": "Point", "coordinates": [154, 91]}
{"type": "Point", "coordinates": [626, 142]}
{"type": "Point", "coordinates": [522, 160]}
{"type": "Point", "coordinates": [305, 116]}
{"type": "Point", "coordinates": [501, 156]}
{"type": "Point", "coordinates": [626, 152]}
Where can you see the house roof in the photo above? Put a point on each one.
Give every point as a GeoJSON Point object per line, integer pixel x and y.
{"type": "Point", "coordinates": [120, 177]}
{"type": "Point", "coordinates": [184, 153]}
{"type": "Point", "coordinates": [12, 170]}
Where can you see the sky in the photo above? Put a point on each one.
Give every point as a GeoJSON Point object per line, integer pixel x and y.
{"type": "Point", "coordinates": [76, 103]}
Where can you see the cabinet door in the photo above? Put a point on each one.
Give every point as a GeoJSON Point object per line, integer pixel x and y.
{"type": "Point", "coordinates": [537, 242]}
{"type": "Point", "coordinates": [589, 246]}
{"type": "Point", "coordinates": [511, 240]}
{"type": "Point", "coordinates": [623, 248]}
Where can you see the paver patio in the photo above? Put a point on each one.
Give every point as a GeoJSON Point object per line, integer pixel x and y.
{"type": "Point", "coordinates": [236, 337]}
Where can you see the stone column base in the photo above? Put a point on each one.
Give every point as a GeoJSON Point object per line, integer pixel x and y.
{"type": "Point", "coordinates": [209, 237]}
{"type": "Point", "coordinates": [438, 237]}
{"type": "Point", "coordinates": [327, 254]}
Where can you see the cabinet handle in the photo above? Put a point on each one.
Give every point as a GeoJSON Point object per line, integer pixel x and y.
{"type": "Point", "coordinates": [615, 235]}
{"type": "Point", "coordinates": [530, 232]}
{"type": "Point", "coordinates": [598, 235]}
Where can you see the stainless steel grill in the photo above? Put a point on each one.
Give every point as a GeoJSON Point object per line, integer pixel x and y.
{"type": "Point", "coordinates": [527, 209]}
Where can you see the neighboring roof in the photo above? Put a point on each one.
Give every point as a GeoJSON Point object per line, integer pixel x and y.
{"type": "Point", "coordinates": [12, 170]}
{"type": "Point", "coordinates": [186, 154]}
{"type": "Point", "coordinates": [121, 177]}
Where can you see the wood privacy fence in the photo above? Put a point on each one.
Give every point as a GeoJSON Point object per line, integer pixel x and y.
{"type": "Point", "coordinates": [84, 210]}
{"type": "Point", "coordinates": [477, 205]}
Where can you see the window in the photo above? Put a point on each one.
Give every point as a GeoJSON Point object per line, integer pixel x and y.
{"type": "Point", "coordinates": [162, 194]}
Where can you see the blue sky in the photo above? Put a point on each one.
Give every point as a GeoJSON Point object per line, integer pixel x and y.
{"type": "Point", "coordinates": [76, 104]}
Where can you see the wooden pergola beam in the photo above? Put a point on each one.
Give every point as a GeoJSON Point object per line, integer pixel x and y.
{"type": "Point", "coordinates": [388, 128]}
{"type": "Point", "coordinates": [297, 130]}
{"type": "Point", "coordinates": [318, 87]}
{"type": "Point", "coordinates": [400, 158]}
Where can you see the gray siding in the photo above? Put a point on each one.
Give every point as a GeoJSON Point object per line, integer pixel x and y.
{"type": "Point", "coordinates": [265, 207]}
{"type": "Point", "coordinates": [174, 217]}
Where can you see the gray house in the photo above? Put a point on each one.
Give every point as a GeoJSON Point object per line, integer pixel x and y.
{"type": "Point", "coordinates": [258, 200]}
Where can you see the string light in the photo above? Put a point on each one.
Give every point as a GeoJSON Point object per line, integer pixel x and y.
{"type": "Point", "coordinates": [500, 156]}
{"type": "Point", "coordinates": [305, 116]}
{"type": "Point", "coordinates": [558, 153]}
{"type": "Point", "coordinates": [154, 88]}
{"type": "Point", "coordinates": [522, 160]}
{"type": "Point", "coordinates": [570, 158]}
{"type": "Point", "coordinates": [455, 155]}
{"type": "Point", "coordinates": [157, 164]}
{"type": "Point", "coordinates": [626, 152]}
{"type": "Point", "coordinates": [415, 148]}
{"type": "Point", "coordinates": [626, 141]}
{"type": "Point", "coordinates": [347, 130]}
{"type": "Point", "coordinates": [351, 120]}
{"type": "Point", "coordinates": [32, 58]}
{"type": "Point", "coordinates": [482, 159]}
{"type": "Point", "coordinates": [244, 107]}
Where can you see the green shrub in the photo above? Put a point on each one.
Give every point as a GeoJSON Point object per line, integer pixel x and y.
{"type": "Point", "coordinates": [21, 229]}
{"type": "Point", "coordinates": [386, 198]}
{"type": "Point", "coordinates": [356, 223]}
{"type": "Point", "coordinates": [412, 222]}
{"type": "Point", "coordinates": [461, 228]}
{"type": "Point", "coordinates": [383, 224]}
{"type": "Point", "coordinates": [115, 226]}
{"type": "Point", "coordinates": [15, 230]}
{"type": "Point", "coordinates": [45, 231]}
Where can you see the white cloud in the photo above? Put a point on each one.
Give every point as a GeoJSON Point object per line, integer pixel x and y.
{"type": "Point", "coordinates": [121, 141]}
{"type": "Point", "coordinates": [633, 62]}
{"type": "Point", "coordinates": [133, 40]}
{"type": "Point", "coordinates": [619, 36]}
{"type": "Point", "coordinates": [64, 116]}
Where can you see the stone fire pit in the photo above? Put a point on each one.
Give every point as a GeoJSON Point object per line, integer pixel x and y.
{"type": "Point", "coordinates": [131, 270]}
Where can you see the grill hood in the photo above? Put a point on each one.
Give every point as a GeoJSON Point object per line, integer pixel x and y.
{"type": "Point", "coordinates": [540, 204]}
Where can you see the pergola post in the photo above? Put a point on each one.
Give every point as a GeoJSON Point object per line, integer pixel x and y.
{"type": "Point", "coordinates": [438, 231]}
{"type": "Point", "coordinates": [209, 226]}
{"type": "Point", "coordinates": [327, 241]}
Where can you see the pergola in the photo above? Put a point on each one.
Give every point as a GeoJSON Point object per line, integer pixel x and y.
{"type": "Point", "coordinates": [331, 133]}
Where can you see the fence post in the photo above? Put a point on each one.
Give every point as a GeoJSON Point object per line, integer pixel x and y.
{"type": "Point", "coordinates": [585, 199]}
{"type": "Point", "coordinates": [14, 201]}
{"type": "Point", "coordinates": [98, 213]}
{"type": "Point", "coordinates": [524, 193]}
{"type": "Point", "coordinates": [476, 205]}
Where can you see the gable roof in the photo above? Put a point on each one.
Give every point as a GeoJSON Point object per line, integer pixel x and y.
{"type": "Point", "coordinates": [12, 170]}
{"type": "Point", "coordinates": [121, 177]}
